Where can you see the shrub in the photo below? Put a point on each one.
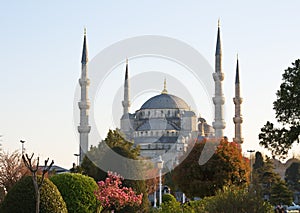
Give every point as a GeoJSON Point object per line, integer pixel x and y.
{"type": "Point", "coordinates": [168, 197]}
{"type": "Point", "coordinates": [21, 198]}
{"type": "Point", "coordinates": [78, 191]}
{"type": "Point", "coordinates": [232, 199]}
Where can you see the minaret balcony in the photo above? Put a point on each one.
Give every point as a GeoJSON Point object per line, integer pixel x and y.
{"type": "Point", "coordinates": [218, 76]}
{"type": "Point", "coordinates": [84, 129]}
{"type": "Point", "coordinates": [84, 104]}
{"type": "Point", "coordinates": [219, 100]}
{"type": "Point", "coordinates": [238, 120]}
{"type": "Point", "coordinates": [219, 125]}
{"type": "Point", "coordinates": [237, 100]}
{"type": "Point", "coordinates": [84, 82]}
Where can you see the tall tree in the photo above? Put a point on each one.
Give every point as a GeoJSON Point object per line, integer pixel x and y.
{"type": "Point", "coordinates": [264, 177]}
{"type": "Point", "coordinates": [287, 110]}
{"type": "Point", "coordinates": [225, 167]}
{"type": "Point", "coordinates": [292, 176]}
{"type": "Point", "coordinates": [121, 146]}
{"type": "Point", "coordinates": [280, 194]}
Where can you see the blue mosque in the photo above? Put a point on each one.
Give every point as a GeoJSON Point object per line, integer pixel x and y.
{"type": "Point", "coordinates": [165, 122]}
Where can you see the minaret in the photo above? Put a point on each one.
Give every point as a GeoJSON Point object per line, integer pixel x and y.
{"type": "Point", "coordinates": [126, 101]}
{"type": "Point", "coordinates": [218, 100]}
{"type": "Point", "coordinates": [126, 125]}
{"type": "Point", "coordinates": [84, 103]}
{"type": "Point", "coordinates": [237, 100]}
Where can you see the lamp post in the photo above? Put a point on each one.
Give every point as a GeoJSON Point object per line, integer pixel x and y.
{"type": "Point", "coordinates": [250, 151]}
{"type": "Point", "coordinates": [77, 155]}
{"type": "Point", "coordinates": [22, 142]}
{"type": "Point", "coordinates": [160, 165]}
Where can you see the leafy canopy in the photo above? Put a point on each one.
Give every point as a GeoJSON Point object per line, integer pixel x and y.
{"type": "Point", "coordinates": [226, 167]}
{"type": "Point", "coordinates": [287, 109]}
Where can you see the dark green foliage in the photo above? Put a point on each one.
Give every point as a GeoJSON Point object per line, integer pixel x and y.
{"type": "Point", "coordinates": [259, 161]}
{"type": "Point", "coordinates": [287, 110]}
{"type": "Point", "coordinates": [280, 194]}
{"type": "Point", "coordinates": [21, 198]}
{"type": "Point", "coordinates": [233, 199]}
{"type": "Point", "coordinates": [168, 198]}
{"type": "Point", "coordinates": [292, 176]}
{"type": "Point", "coordinates": [264, 177]}
{"type": "Point", "coordinates": [78, 192]}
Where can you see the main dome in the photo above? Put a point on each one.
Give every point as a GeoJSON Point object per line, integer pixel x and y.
{"type": "Point", "coordinates": [165, 101]}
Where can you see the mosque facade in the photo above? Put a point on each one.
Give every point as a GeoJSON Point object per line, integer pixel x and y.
{"type": "Point", "coordinates": [165, 122]}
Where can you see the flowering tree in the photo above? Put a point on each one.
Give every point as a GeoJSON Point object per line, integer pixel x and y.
{"type": "Point", "coordinates": [113, 196]}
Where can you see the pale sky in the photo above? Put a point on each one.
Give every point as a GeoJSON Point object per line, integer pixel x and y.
{"type": "Point", "coordinates": [41, 51]}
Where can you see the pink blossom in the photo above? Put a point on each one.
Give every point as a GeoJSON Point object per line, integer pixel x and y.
{"type": "Point", "coordinates": [112, 195]}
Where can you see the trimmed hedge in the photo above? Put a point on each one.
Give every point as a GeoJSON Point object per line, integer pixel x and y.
{"type": "Point", "coordinates": [77, 191]}
{"type": "Point", "coordinates": [21, 198]}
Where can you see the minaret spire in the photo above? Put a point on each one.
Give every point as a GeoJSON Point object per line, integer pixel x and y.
{"type": "Point", "coordinates": [218, 100]}
{"type": "Point", "coordinates": [237, 100]}
{"type": "Point", "coordinates": [126, 101]}
{"type": "Point", "coordinates": [126, 122]}
{"type": "Point", "coordinates": [84, 104]}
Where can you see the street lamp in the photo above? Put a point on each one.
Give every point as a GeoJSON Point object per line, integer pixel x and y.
{"type": "Point", "coordinates": [250, 151]}
{"type": "Point", "coordinates": [77, 155]}
{"type": "Point", "coordinates": [160, 165]}
{"type": "Point", "coordinates": [22, 142]}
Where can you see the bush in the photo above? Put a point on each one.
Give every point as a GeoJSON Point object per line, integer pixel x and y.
{"type": "Point", "coordinates": [167, 198]}
{"type": "Point", "coordinates": [21, 198]}
{"type": "Point", "coordinates": [233, 200]}
{"type": "Point", "coordinates": [78, 191]}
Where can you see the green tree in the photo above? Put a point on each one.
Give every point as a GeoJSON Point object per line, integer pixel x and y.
{"type": "Point", "coordinates": [225, 167]}
{"type": "Point", "coordinates": [77, 191]}
{"type": "Point", "coordinates": [287, 110]}
{"type": "Point", "coordinates": [259, 161]}
{"type": "Point", "coordinates": [21, 198]}
{"type": "Point", "coordinates": [292, 176]}
{"type": "Point", "coordinates": [264, 177]}
{"type": "Point", "coordinates": [280, 194]}
{"type": "Point", "coordinates": [121, 146]}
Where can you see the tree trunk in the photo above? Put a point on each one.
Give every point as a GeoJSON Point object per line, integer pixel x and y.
{"type": "Point", "coordinates": [37, 194]}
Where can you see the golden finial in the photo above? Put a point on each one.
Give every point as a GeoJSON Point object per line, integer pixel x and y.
{"type": "Point", "coordinates": [84, 32]}
{"type": "Point", "coordinates": [126, 61]}
{"type": "Point", "coordinates": [237, 56]}
{"type": "Point", "coordinates": [218, 22]}
{"type": "Point", "coordinates": [165, 91]}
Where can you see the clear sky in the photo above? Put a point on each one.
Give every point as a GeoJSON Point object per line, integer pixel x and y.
{"type": "Point", "coordinates": [41, 48]}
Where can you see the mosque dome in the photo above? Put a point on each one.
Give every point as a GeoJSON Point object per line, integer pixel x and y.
{"type": "Point", "coordinates": [165, 101]}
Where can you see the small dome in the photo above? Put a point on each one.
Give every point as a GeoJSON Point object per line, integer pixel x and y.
{"type": "Point", "coordinates": [165, 101]}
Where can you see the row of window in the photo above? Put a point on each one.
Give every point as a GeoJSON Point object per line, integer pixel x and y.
{"type": "Point", "coordinates": [155, 133]}
{"type": "Point", "coordinates": [158, 113]}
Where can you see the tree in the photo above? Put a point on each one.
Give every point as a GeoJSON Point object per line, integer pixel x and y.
{"type": "Point", "coordinates": [12, 169]}
{"type": "Point", "coordinates": [21, 198]}
{"type": "Point", "coordinates": [280, 194]}
{"type": "Point", "coordinates": [225, 167]}
{"type": "Point", "coordinates": [287, 110]}
{"type": "Point", "coordinates": [259, 161]}
{"type": "Point", "coordinates": [98, 155]}
{"type": "Point", "coordinates": [77, 191]}
{"type": "Point", "coordinates": [113, 196]}
{"type": "Point", "coordinates": [292, 176]}
{"type": "Point", "coordinates": [28, 161]}
{"type": "Point", "coordinates": [264, 177]}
